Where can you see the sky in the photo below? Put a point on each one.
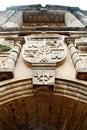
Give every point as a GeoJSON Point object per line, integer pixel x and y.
{"type": "Point", "coordinates": [82, 4]}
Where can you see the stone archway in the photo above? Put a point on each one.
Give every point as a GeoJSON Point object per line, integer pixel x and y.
{"type": "Point", "coordinates": [25, 108]}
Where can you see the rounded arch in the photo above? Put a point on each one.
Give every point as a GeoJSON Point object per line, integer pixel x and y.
{"type": "Point", "coordinates": [23, 107]}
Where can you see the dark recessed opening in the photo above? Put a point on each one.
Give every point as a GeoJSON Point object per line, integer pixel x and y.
{"type": "Point", "coordinates": [45, 19]}
{"type": "Point", "coordinates": [3, 78]}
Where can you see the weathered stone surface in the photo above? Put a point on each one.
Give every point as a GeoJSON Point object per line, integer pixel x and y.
{"type": "Point", "coordinates": [72, 21]}
{"type": "Point", "coordinates": [15, 20]}
{"type": "Point", "coordinates": [81, 17]}
{"type": "Point", "coordinates": [78, 61]}
{"type": "Point", "coordinates": [4, 16]}
{"type": "Point", "coordinates": [41, 77]}
{"type": "Point", "coordinates": [47, 94]}
{"type": "Point", "coordinates": [43, 110]}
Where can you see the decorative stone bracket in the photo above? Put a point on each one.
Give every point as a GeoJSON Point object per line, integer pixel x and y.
{"type": "Point", "coordinates": [43, 74]}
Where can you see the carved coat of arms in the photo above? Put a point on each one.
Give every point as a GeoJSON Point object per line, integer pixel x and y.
{"type": "Point", "coordinates": [43, 53]}
{"type": "Point", "coordinates": [44, 50]}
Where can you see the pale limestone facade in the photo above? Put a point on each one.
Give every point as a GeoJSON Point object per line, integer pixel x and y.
{"type": "Point", "coordinates": [43, 68]}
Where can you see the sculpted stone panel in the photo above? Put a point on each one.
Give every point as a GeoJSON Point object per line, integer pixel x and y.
{"type": "Point", "coordinates": [44, 50]}
{"type": "Point", "coordinates": [43, 77]}
{"type": "Point", "coordinates": [43, 53]}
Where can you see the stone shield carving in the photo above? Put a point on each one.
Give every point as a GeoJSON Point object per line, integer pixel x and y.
{"type": "Point", "coordinates": [44, 50]}
{"type": "Point", "coordinates": [43, 53]}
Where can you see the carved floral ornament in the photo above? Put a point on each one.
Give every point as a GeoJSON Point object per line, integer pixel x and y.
{"type": "Point", "coordinates": [44, 50]}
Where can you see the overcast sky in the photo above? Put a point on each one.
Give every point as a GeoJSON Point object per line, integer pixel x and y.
{"type": "Point", "coordinates": [76, 3]}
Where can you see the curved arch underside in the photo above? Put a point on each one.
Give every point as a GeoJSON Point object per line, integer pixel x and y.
{"type": "Point", "coordinates": [25, 108]}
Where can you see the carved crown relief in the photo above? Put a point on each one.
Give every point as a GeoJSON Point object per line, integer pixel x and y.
{"type": "Point", "coordinates": [43, 52]}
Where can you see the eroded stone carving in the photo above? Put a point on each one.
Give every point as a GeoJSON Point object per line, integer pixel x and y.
{"type": "Point", "coordinates": [2, 61]}
{"type": "Point", "coordinates": [8, 61]}
{"type": "Point", "coordinates": [5, 49]}
{"type": "Point", "coordinates": [44, 50]}
{"type": "Point", "coordinates": [43, 77]}
{"type": "Point", "coordinates": [43, 53]}
{"type": "Point", "coordinates": [12, 59]}
{"type": "Point", "coordinates": [78, 56]}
